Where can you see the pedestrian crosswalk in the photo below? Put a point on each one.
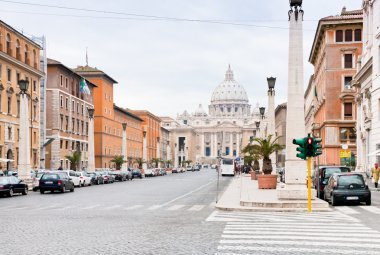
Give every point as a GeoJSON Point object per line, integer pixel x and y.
{"type": "Point", "coordinates": [109, 208]}
{"type": "Point", "coordinates": [294, 233]}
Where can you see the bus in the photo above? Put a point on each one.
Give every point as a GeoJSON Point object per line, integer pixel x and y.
{"type": "Point", "coordinates": [227, 167]}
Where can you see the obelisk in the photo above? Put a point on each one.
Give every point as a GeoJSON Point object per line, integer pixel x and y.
{"type": "Point", "coordinates": [124, 166]}
{"type": "Point", "coordinates": [295, 168]}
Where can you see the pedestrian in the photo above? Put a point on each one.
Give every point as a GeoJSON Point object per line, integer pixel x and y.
{"type": "Point", "coordinates": [375, 174]}
{"type": "Point", "coordinates": [60, 168]}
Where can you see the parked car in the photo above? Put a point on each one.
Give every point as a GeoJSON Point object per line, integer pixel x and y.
{"type": "Point", "coordinates": [197, 168]}
{"type": "Point", "coordinates": [75, 179]}
{"type": "Point", "coordinates": [36, 181]}
{"type": "Point", "coordinates": [128, 174]}
{"type": "Point", "coordinates": [156, 172]}
{"type": "Point", "coordinates": [108, 177]}
{"type": "Point", "coordinates": [119, 175]}
{"type": "Point", "coordinates": [59, 180]}
{"type": "Point", "coordinates": [325, 172]}
{"type": "Point", "coordinates": [189, 168]}
{"type": "Point", "coordinates": [83, 179]}
{"type": "Point", "coordinates": [206, 166]}
{"type": "Point", "coordinates": [96, 178]}
{"type": "Point", "coordinates": [347, 187]}
{"type": "Point", "coordinates": [136, 173]}
{"type": "Point", "coordinates": [149, 172]}
{"type": "Point", "coordinates": [162, 171]}
{"type": "Point", "coordinates": [9, 185]}
{"type": "Point", "coordinates": [176, 170]}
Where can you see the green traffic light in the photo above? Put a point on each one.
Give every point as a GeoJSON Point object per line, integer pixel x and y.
{"type": "Point", "coordinates": [301, 147]}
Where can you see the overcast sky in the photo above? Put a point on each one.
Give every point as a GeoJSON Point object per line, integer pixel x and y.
{"type": "Point", "coordinates": [168, 66]}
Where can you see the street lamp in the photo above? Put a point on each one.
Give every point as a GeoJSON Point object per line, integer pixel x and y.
{"type": "Point", "coordinates": [24, 143]}
{"type": "Point", "coordinates": [257, 123]}
{"type": "Point", "coordinates": [24, 84]}
{"type": "Point", "coordinates": [295, 3]}
{"type": "Point", "coordinates": [91, 141]}
{"type": "Point", "coordinates": [262, 112]}
{"type": "Point", "coordinates": [124, 126]}
{"type": "Point", "coordinates": [271, 83]}
{"type": "Point", "coordinates": [91, 112]}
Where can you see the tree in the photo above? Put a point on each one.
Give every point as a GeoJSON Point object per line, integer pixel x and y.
{"type": "Point", "coordinates": [118, 160]}
{"type": "Point", "coordinates": [168, 163]}
{"type": "Point", "coordinates": [140, 162]}
{"type": "Point", "coordinates": [74, 160]}
{"type": "Point", "coordinates": [252, 156]}
{"type": "Point", "coordinates": [264, 147]}
{"type": "Point", "coordinates": [156, 161]}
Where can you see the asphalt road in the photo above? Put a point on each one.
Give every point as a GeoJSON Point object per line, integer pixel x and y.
{"type": "Point", "coordinates": [159, 215]}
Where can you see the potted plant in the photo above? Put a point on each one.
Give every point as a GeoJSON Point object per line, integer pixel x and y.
{"type": "Point", "coordinates": [119, 161]}
{"type": "Point", "coordinates": [74, 160]}
{"type": "Point", "coordinates": [254, 157]}
{"type": "Point", "coordinates": [265, 147]}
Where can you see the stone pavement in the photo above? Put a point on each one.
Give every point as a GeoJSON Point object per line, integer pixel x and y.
{"type": "Point", "coordinates": [243, 195]}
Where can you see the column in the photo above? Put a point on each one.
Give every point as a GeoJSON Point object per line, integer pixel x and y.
{"type": "Point", "coordinates": [231, 145]}
{"type": "Point", "coordinates": [176, 154]}
{"type": "Point", "coordinates": [124, 166]}
{"type": "Point", "coordinates": [271, 123]}
{"type": "Point", "coordinates": [24, 143]}
{"type": "Point", "coordinates": [169, 153]}
{"type": "Point", "coordinates": [91, 149]}
{"type": "Point", "coordinates": [145, 151]}
{"type": "Point", "coordinates": [237, 144]}
{"type": "Point", "coordinates": [158, 148]}
{"type": "Point", "coordinates": [202, 145]}
{"type": "Point", "coordinates": [215, 147]}
{"type": "Point", "coordinates": [296, 169]}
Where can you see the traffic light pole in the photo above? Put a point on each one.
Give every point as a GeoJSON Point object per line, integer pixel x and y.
{"type": "Point", "coordinates": [309, 184]}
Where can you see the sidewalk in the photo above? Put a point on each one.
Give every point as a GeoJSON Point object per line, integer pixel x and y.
{"type": "Point", "coordinates": [243, 195]}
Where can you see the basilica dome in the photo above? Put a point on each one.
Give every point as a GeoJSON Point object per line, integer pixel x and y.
{"type": "Point", "coordinates": [229, 91]}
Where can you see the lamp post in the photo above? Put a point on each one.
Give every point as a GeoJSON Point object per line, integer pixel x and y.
{"type": "Point", "coordinates": [24, 142]}
{"type": "Point", "coordinates": [262, 112]}
{"type": "Point", "coordinates": [91, 149]}
{"type": "Point", "coordinates": [145, 151]}
{"type": "Point", "coordinates": [124, 166]}
{"type": "Point", "coordinates": [271, 115]}
{"type": "Point", "coordinates": [158, 149]}
{"type": "Point", "coordinates": [175, 155]}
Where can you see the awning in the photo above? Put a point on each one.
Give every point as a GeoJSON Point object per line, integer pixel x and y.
{"type": "Point", "coordinates": [375, 153]}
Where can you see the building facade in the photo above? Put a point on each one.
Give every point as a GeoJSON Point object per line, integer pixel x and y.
{"type": "Point", "coordinates": [19, 60]}
{"type": "Point", "coordinates": [367, 82]}
{"type": "Point", "coordinates": [165, 145]}
{"type": "Point", "coordinates": [228, 126]}
{"type": "Point", "coordinates": [334, 55]}
{"type": "Point", "coordinates": [67, 116]}
{"type": "Point", "coordinates": [280, 127]}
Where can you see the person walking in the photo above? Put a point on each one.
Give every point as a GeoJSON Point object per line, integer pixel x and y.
{"type": "Point", "coordinates": [375, 174]}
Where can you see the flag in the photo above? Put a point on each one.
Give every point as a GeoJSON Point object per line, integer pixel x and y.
{"type": "Point", "coordinates": [83, 88]}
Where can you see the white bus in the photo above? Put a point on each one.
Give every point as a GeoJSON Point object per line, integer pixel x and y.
{"type": "Point", "coordinates": [227, 167]}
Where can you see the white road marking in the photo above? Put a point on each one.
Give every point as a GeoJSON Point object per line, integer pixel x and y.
{"type": "Point", "coordinates": [196, 207]}
{"type": "Point", "coordinates": [133, 207]}
{"type": "Point", "coordinates": [90, 207]}
{"type": "Point", "coordinates": [112, 207]}
{"type": "Point", "coordinates": [371, 209]}
{"type": "Point", "coordinates": [346, 210]}
{"type": "Point", "coordinates": [346, 238]}
{"type": "Point", "coordinates": [175, 207]}
{"type": "Point", "coordinates": [154, 207]}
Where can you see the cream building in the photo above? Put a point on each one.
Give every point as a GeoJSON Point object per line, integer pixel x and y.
{"type": "Point", "coordinates": [226, 128]}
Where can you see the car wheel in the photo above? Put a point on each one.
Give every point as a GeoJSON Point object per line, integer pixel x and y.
{"type": "Point", "coordinates": [333, 200]}
{"type": "Point", "coordinates": [34, 189]}
{"type": "Point", "coordinates": [42, 191]}
{"type": "Point", "coordinates": [63, 190]}
{"type": "Point", "coordinates": [10, 192]}
{"type": "Point", "coordinates": [324, 197]}
{"type": "Point", "coordinates": [97, 182]}
{"type": "Point", "coordinates": [79, 185]}
{"type": "Point", "coordinates": [84, 184]}
{"type": "Point", "coordinates": [72, 189]}
{"type": "Point", "coordinates": [25, 191]}
{"type": "Point", "coordinates": [368, 202]}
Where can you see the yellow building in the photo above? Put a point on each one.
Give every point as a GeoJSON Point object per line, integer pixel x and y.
{"type": "Point", "coordinates": [19, 60]}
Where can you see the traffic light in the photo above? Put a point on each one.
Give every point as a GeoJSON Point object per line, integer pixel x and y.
{"type": "Point", "coordinates": [317, 147]}
{"type": "Point", "coordinates": [301, 147]}
{"type": "Point", "coordinates": [309, 146]}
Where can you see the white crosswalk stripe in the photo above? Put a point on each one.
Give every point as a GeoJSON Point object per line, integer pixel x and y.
{"type": "Point", "coordinates": [290, 233]}
{"type": "Point", "coordinates": [371, 209]}
{"type": "Point", "coordinates": [346, 210]}
{"type": "Point", "coordinates": [133, 207]}
{"type": "Point", "coordinates": [196, 208]}
{"type": "Point", "coordinates": [175, 207]}
{"type": "Point", "coordinates": [154, 207]}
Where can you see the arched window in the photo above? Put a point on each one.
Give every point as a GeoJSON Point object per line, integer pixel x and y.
{"type": "Point", "coordinates": [9, 47]}
{"type": "Point", "coordinates": [34, 58]}
{"type": "Point", "coordinates": [18, 53]}
{"type": "Point", "coordinates": [27, 60]}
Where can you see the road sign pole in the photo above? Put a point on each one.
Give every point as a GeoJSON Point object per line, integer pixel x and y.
{"type": "Point", "coordinates": [309, 184]}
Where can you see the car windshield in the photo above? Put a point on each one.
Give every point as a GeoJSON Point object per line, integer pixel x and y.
{"type": "Point", "coordinates": [49, 176]}
{"type": "Point", "coordinates": [345, 180]}
{"type": "Point", "coordinates": [136, 171]}
{"type": "Point", "coordinates": [228, 161]}
{"type": "Point", "coordinates": [4, 180]}
{"type": "Point", "coordinates": [39, 175]}
{"type": "Point", "coordinates": [331, 170]}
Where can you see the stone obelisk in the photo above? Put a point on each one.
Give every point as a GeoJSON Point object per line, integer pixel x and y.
{"type": "Point", "coordinates": [124, 166]}
{"type": "Point", "coordinates": [295, 168]}
{"type": "Point", "coordinates": [91, 142]}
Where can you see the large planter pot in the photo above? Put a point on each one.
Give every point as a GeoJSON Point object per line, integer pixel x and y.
{"type": "Point", "coordinates": [253, 175]}
{"type": "Point", "coordinates": [267, 181]}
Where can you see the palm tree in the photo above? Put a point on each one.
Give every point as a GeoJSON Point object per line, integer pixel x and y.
{"type": "Point", "coordinates": [168, 162]}
{"type": "Point", "coordinates": [252, 156]}
{"type": "Point", "coordinates": [140, 162]}
{"type": "Point", "coordinates": [187, 162]}
{"type": "Point", "coordinates": [118, 160]}
{"type": "Point", "coordinates": [264, 147]}
{"type": "Point", "coordinates": [156, 161]}
{"type": "Point", "coordinates": [74, 160]}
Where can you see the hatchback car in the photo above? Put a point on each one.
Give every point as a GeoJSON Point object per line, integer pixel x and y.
{"type": "Point", "coordinates": [83, 179]}
{"type": "Point", "coordinates": [347, 187]}
{"type": "Point", "coordinates": [36, 181]}
{"type": "Point", "coordinates": [322, 174]}
{"type": "Point", "coordinates": [96, 178]}
{"type": "Point", "coordinates": [10, 185]}
{"type": "Point", "coordinates": [108, 177]}
{"type": "Point", "coordinates": [136, 173]}
{"type": "Point", "coordinates": [119, 176]}
{"type": "Point", "coordinates": [53, 181]}
{"type": "Point", "coordinates": [149, 172]}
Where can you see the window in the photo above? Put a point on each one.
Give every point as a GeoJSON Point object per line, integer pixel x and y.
{"type": "Point", "coordinates": [18, 134]}
{"type": "Point", "coordinates": [34, 112]}
{"type": "Point", "coordinates": [347, 110]}
{"type": "Point", "coordinates": [66, 83]}
{"type": "Point", "coordinates": [61, 126]}
{"type": "Point", "coordinates": [1, 70]}
{"type": "Point", "coordinates": [8, 43]}
{"type": "Point", "coordinates": [73, 125]}
{"type": "Point", "coordinates": [67, 103]}
{"type": "Point", "coordinates": [60, 144]}
{"type": "Point", "coordinates": [348, 35]}
{"type": "Point", "coordinates": [72, 145]}
{"type": "Point", "coordinates": [26, 57]}
{"type": "Point", "coordinates": [358, 35]}
{"type": "Point", "coordinates": [72, 105]}
{"type": "Point", "coordinates": [61, 80]}
{"type": "Point", "coordinates": [9, 133]}
{"type": "Point", "coordinates": [82, 109]}
{"type": "Point", "coordinates": [347, 82]}
{"type": "Point", "coordinates": [18, 107]}
{"type": "Point", "coordinates": [347, 133]}
{"type": "Point", "coordinates": [17, 77]}
{"type": "Point", "coordinates": [67, 144]}
{"type": "Point", "coordinates": [61, 101]}
{"type": "Point", "coordinates": [339, 36]}
{"type": "Point", "coordinates": [77, 107]}
{"type": "Point", "coordinates": [9, 75]}
{"type": "Point", "coordinates": [185, 122]}
{"type": "Point", "coordinates": [67, 123]}
{"type": "Point", "coordinates": [347, 60]}
{"type": "Point", "coordinates": [9, 104]}
{"type": "Point", "coordinates": [18, 52]}
{"type": "Point", "coordinates": [34, 137]}
{"type": "Point", "coordinates": [34, 86]}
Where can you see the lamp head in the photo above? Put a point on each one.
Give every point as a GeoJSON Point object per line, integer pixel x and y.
{"type": "Point", "coordinates": [295, 3]}
{"type": "Point", "coordinates": [124, 126]}
{"type": "Point", "coordinates": [91, 112]}
{"type": "Point", "coordinates": [24, 84]}
{"type": "Point", "coordinates": [257, 124]}
{"type": "Point", "coordinates": [271, 82]}
{"type": "Point", "coordinates": [262, 111]}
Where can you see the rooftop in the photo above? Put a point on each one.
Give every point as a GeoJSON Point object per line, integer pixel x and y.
{"type": "Point", "coordinates": [93, 71]}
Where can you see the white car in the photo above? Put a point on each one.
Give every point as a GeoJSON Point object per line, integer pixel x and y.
{"type": "Point", "coordinates": [84, 179]}
{"type": "Point", "coordinates": [189, 168]}
{"type": "Point", "coordinates": [149, 172]}
{"type": "Point", "coordinates": [74, 178]}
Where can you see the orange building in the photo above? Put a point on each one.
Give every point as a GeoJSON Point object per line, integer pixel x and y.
{"type": "Point", "coordinates": [336, 48]}
{"type": "Point", "coordinates": [19, 60]}
{"type": "Point", "coordinates": [152, 125]}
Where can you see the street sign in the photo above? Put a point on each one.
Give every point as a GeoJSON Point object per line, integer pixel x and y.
{"type": "Point", "coordinates": [345, 153]}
